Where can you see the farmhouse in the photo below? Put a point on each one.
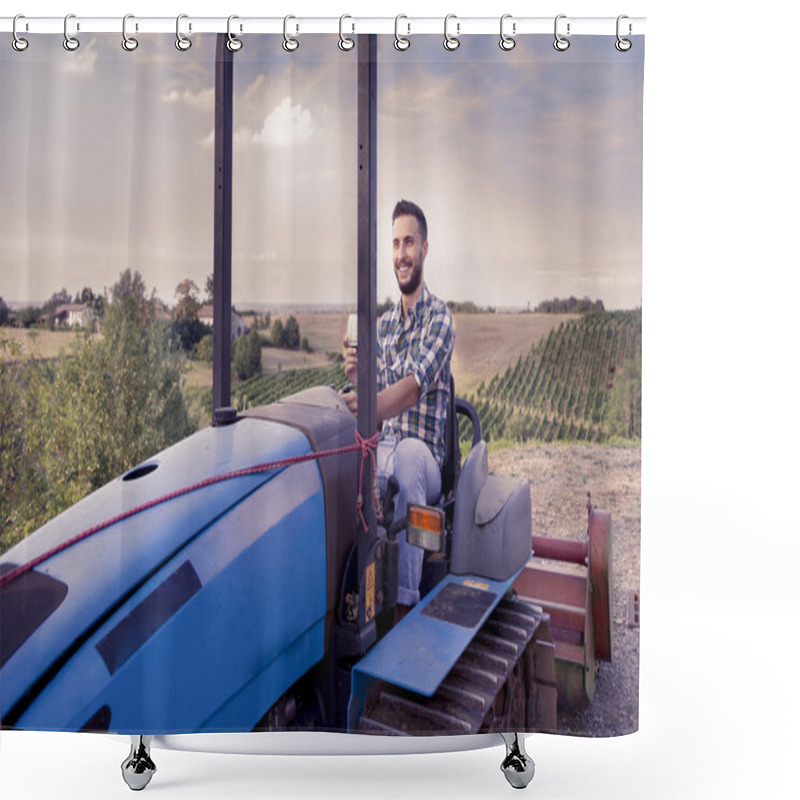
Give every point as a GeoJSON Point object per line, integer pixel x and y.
{"type": "Point", "coordinates": [206, 316]}
{"type": "Point", "coordinates": [71, 315]}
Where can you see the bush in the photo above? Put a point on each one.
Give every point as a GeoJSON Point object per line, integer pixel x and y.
{"type": "Point", "coordinates": [247, 355]}
{"type": "Point", "coordinates": [205, 349]}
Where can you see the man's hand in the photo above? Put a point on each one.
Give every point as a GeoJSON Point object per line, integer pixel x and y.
{"type": "Point", "coordinates": [392, 401]}
{"type": "Point", "coordinates": [350, 397]}
{"type": "Point", "coordinates": [350, 361]}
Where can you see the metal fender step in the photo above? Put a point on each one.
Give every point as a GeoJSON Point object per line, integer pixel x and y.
{"type": "Point", "coordinates": [503, 681]}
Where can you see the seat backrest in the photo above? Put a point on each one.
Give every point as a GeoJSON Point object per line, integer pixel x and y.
{"type": "Point", "coordinates": [452, 450]}
{"type": "Point", "coordinates": [473, 477]}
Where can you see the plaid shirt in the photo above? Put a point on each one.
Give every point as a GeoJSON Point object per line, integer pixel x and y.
{"type": "Point", "coordinates": [419, 345]}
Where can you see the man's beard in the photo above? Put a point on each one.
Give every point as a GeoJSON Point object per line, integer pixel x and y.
{"type": "Point", "coordinates": [414, 279]}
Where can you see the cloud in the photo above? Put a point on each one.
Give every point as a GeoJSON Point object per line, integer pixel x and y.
{"type": "Point", "coordinates": [287, 125]}
{"type": "Point", "coordinates": [242, 137]}
{"type": "Point", "coordinates": [203, 99]}
{"type": "Point", "coordinates": [81, 61]}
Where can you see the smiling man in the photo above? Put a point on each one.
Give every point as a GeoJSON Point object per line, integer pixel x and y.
{"type": "Point", "coordinates": [415, 344]}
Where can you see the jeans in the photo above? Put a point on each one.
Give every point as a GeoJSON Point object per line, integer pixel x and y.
{"type": "Point", "coordinates": [413, 465]}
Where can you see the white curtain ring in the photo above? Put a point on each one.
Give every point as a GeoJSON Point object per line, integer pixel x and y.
{"type": "Point", "coordinates": [400, 42]}
{"type": "Point", "coordinates": [507, 42]}
{"type": "Point", "coordinates": [183, 43]}
{"type": "Point", "coordinates": [345, 43]}
{"type": "Point", "coordinates": [233, 44]}
{"type": "Point", "coordinates": [18, 43]}
{"type": "Point", "coordinates": [70, 43]}
{"type": "Point", "coordinates": [290, 44]}
{"type": "Point", "coordinates": [128, 42]}
{"type": "Point", "coordinates": [561, 43]}
{"type": "Point", "coordinates": [451, 42]}
{"type": "Point", "coordinates": [623, 45]}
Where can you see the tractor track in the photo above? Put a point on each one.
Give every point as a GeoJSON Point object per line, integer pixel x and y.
{"type": "Point", "coordinates": [504, 681]}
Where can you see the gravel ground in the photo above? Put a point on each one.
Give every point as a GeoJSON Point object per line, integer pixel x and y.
{"type": "Point", "coordinates": [560, 477]}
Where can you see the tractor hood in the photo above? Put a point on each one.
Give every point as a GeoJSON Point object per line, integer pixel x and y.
{"type": "Point", "coordinates": [49, 611]}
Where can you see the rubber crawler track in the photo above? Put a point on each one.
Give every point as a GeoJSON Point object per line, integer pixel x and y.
{"type": "Point", "coordinates": [504, 681]}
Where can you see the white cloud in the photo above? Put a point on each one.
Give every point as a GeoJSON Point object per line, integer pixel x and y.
{"type": "Point", "coordinates": [203, 99]}
{"type": "Point", "coordinates": [287, 125]}
{"type": "Point", "coordinates": [242, 137]}
{"type": "Point", "coordinates": [81, 61]}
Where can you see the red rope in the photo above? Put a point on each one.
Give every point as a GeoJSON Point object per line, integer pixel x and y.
{"type": "Point", "coordinates": [365, 446]}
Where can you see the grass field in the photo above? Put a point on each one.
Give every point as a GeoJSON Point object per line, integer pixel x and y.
{"type": "Point", "coordinates": [37, 343]}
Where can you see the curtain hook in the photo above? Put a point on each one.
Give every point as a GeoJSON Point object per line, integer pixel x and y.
{"type": "Point", "coordinates": [344, 42]}
{"type": "Point", "coordinates": [623, 45]}
{"type": "Point", "coordinates": [561, 43]}
{"type": "Point", "coordinates": [18, 43]}
{"type": "Point", "coordinates": [507, 42]}
{"type": "Point", "coordinates": [290, 44]}
{"type": "Point", "coordinates": [233, 44]}
{"type": "Point", "coordinates": [70, 43]}
{"type": "Point", "coordinates": [182, 42]}
{"type": "Point", "coordinates": [128, 42]}
{"type": "Point", "coordinates": [400, 42]}
{"type": "Point", "coordinates": [451, 42]}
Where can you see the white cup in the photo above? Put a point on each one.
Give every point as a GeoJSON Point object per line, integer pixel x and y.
{"type": "Point", "coordinates": [352, 330]}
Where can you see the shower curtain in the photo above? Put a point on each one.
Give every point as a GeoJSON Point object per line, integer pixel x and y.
{"type": "Point", "coordinates": [163, 574]}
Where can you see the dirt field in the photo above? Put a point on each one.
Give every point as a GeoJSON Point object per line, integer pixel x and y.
{"type": "Point", "coordinates": [560, 476]}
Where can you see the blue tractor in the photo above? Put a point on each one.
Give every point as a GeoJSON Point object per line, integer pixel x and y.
{"type": "Point", "coordinates": [243, 585]}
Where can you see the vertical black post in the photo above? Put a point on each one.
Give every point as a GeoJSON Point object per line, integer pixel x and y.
{"type": "Point", "coordinates": [367, 278]}
{"type": "Point", "coordinates": [223, 164]}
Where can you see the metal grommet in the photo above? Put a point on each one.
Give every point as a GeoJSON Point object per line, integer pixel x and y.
{"type": "Point", "coordinates": [233, 44]}
{"type": "Point", "coordinates": [561, 44]}
{"type": "Point", "coordinates": [507, 42]}
{"type": "Point", "coordinates": [344, 42]}
{"type": "Point", "coordinates": [18, 43]}
{"type": "Point", "coordinates": [70, 42]}
{"type": "Point", "coordinates": [290, 44]}
{"type": "Point", "coordinates": [128, 42]}
{"type": "Point", "coordinates": [451, 42]}
{"type": "Point", "coordinates": [623, 45]}
{"type": "Point", "coordinates": [183, 43]}
{"type": "Point", "coordinates": [400, 42]}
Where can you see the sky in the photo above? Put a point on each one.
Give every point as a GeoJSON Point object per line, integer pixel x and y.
{"type": "Point", "coordinates": [527, 164]}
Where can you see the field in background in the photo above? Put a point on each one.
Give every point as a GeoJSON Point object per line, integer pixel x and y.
{"type": "Point", "coordinates": [36, 342]}
{"type": "Point", "coordinates": [583, 382]}
{"type": "Point", "coordinates": [532, 377]}
{"type": "Point", "coordinates": [485, 343]}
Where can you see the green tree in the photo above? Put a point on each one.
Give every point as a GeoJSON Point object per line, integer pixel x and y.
{"type": "Point", "coordinates": [29, 315]}
{"type": "Point", "coordinates": [186, 326]}
{"type": "Point", "coordinates": [292, 333]}
{"type": "Point", "coordinates": [247, 355]}
{"type": "Point", "coordinates": [278, 335]}
{"type": "Point", "coordinates": [188, 305]}
{"type": "Point", "coordinates": [3, 312]}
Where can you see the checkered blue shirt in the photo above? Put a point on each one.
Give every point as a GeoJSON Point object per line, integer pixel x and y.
{"type": "Point", "coordinates": [420, 345]}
